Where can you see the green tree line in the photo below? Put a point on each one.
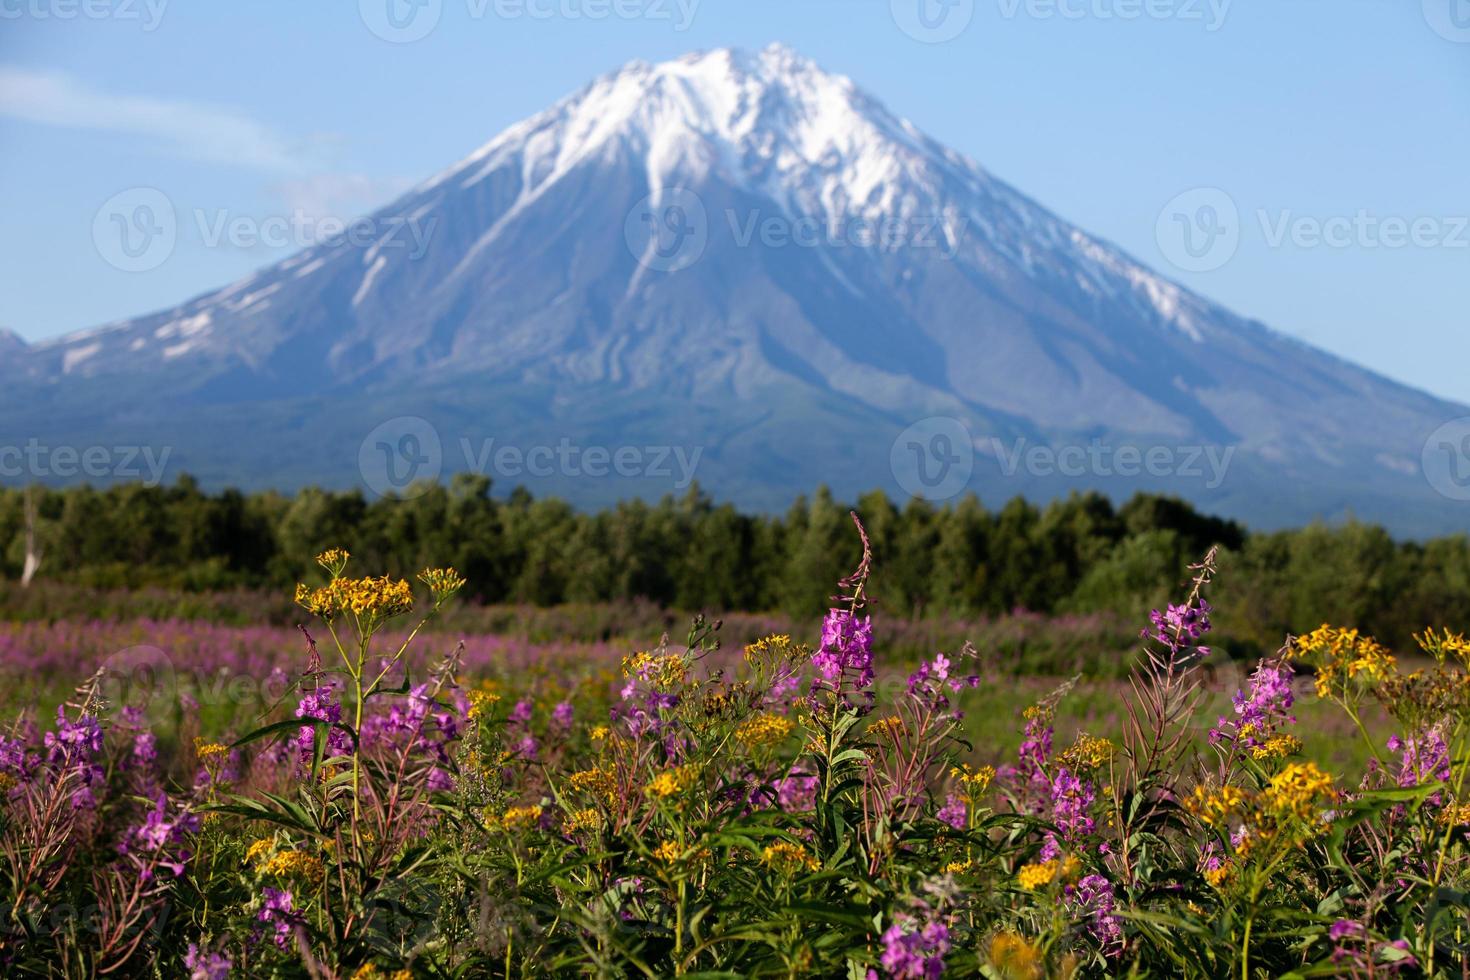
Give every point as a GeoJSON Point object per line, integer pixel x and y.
{"type": "Point", "coordinates": [1075, 555]}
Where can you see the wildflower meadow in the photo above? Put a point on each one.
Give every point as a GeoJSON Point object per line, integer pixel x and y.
{"type": "Point", "coordinates": [391, 802]}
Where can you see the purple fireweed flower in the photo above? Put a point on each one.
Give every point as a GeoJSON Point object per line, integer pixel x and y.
{"type": "Point", "coordinates": [159, 840]}
{"type": "Point", "coordinates": [1423, 758]}
{"type": "Point", "coordinates": [321, 705]}
{"type": "Point", "coordinates": [797, 792]}
{"type": "Point", "coordinates": [954, 812]}
{"type": "Point", "coordinates": [277, 911]}
{"type": "Point", "coordinates": [562, 715]}
{"type": "Point", "coordinates": [521, 713]}
{"type": "Point", "coordinates": [1262, 708]}
{"type": "Point", "coordinates": [845, 655]}
{"type": "Point", "coordinates": [1178, 628]}
{"type": "Point", "coordinates": [1071, 803]}
{"type": "Point", "coordinates": [206, 965]}
{"type": "Point", "coordinates": [914, 949]}
{"type": "Point", "coordinates": [72, 749]}
{"type": "Point", "coordinates": [1343, 928]}
{"type": "Point", "coordinates": [1092, 898]}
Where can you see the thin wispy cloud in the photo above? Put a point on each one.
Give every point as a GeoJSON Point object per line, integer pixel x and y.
{"type": "Point", "coordinates": [212, 133]}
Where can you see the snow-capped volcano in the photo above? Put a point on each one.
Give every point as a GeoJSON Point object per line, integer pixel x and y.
{"type": "Point", "coordinates": [745, 254]}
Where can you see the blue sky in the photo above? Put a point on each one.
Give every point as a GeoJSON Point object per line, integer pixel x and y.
{"type": "Point", "coordinates": [1338, 131]}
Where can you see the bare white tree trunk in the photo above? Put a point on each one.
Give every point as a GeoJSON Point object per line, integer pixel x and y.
{"type": "Point", "coordinates": [33, 550]}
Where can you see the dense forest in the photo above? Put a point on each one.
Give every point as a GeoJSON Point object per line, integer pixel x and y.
{"type": "Point", "coordinates": [1077, 555]}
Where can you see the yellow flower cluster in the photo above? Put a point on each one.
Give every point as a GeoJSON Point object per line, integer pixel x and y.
{"type": "Point", "coordinates": [1037, 875]}
{"type": "Point", "coordinates": [672, 782]}
{"type": "Point", "coordinates": [442, 582]}
{"type": "Point", "coordinates": [370, 972]}
{"type": "Point", "coordinates": [1216, 806]}
{"type": "Point", "coordinates": [258, 848]}
{"type": "Point", "coordinates": [1342, 655]}
{"type": "Point", "coordinates": [787, 858]}
{"type": "Point", "coordinates": [1015, 957]}
{"type": "Point", "coordinates": [600, 782]}
{"type": "Point", "coordinates": [334, 560]}
{"type": "Point", "coordinates": [599, 733]}
{"type": "Point", "coordinates": [482, 702]}
{"type": "Point", "coordinates": [670, 851]}
{"type": "Point", "coordinates": [958, 867]}
{"type": "Point", "coordinates": [210, 754]}
{"type": "Point", "coordinates": [1298, 791]}
{"type": "Point", "coordinates": [295, 864]}
{"type": "Point", "coordinates": [1277, 747]}
{"type": "Point", "coordinates": [891, 726]}
{"type": "Point", "coordinates": [973, 781]}
{"type": "Point", "coordinates": [663, 671]}
{"type": "Point", "coordinates": [1218, 876]}
{"type": "Point", "coordinates": [585, 819]}
{"type": "Point", "coordinates": [767, 647]}
{"type": "Point", "coordinates": [765, 729]}
{"type": "Point", "coordinates": [367, 598]}
{"type": "Point", "coordinates": [1444, 645]}
{"type": "Point", "coordinates": [1087, 753]}
{"type": "Point", "coordinates": [515, 818]}
{"type": "Point", "coordinates": [1455, 815]}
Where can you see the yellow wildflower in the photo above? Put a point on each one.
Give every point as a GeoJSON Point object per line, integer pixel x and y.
{"type": "Point", "coordinates": [258, 849]}
{"type": "Point", "coordinates": [585, 819]}
{"type": "Point", "coordinates": [974, 782]}
{"type": "Point", "coordinates": [1034, 876]}
{"type": "Point", "coordinates": [1215, 807]}
{"type": "Point", "coordinates": [765, 730]}
{"type": "Point", "coordinates": [1088, 752]}
{"type": "Point", "coordinates": [1297, 791]}
{"type": "Point", "coordinates": [1342, 655]}
{"type": "Point", "coordinates": [333, 560]}
{"type": "Point", "coordinates": [788, 858]}
{"type": "Point", "coordinates": [1277, 747]}
{"type": "Point", "coordinates": [442, 582]}
{"type": "Point", "coordinates": [600, 782]}
{"type": "Point", "coordinates": [671, 782]}
{"type": "Point", "coordinates": [515, 818]}
{"type": "Point", "coordinates": [1015, 957]}
{"type": "Point", "coordinates": [295, 864]}
{"type": "Point", "coordinates": [890, 726]}
{"type": "Point", "coordinates": [599, 733]}
{"type": "Point", "coordinates": [663, 671]}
